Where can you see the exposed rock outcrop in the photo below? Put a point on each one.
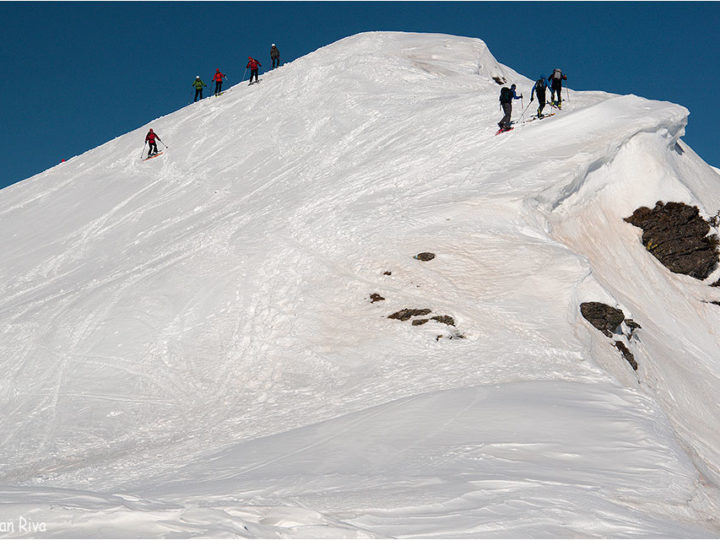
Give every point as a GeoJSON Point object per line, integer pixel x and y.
{"type": "Point", "coordinates": [608, 320]}
{"type": "Point", "coordinates": [603, 317]}
{"type": "Point", "coordinates": [406, 314]}
{"type": "Point", "coordinates": [627, 354]}
{"type": "Point", "coordinates": [445, 319]}
{"type": "Point", "coordinates": [678, 237]}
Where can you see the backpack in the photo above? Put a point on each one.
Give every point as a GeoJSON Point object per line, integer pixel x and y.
{"type": "Point", "coordinates": [557, 74]}
{"type": "Point", "coordinates": [540, 84]}
{"type": "Point", "coordinates": [505, 95]}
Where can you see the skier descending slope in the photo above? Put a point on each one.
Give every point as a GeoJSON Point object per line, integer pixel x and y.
{"type": "Point", "coordinates": [506, 97]}
{"type": "Point", "coordinates": [253, 66]}
{"type": "Point", "coordinates": [539, 88]}
{"type": "Point", "coordinates": [218, 78]}
{"type": "Point", "coordinates": [150, 138]}
{"type": "Point", "coordinates": [556, 79]}
{"type": "Point", "coordinates": [198, 84]}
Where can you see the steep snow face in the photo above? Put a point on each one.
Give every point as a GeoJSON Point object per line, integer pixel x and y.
{"type": "Point", "coordinates": [194, 333]}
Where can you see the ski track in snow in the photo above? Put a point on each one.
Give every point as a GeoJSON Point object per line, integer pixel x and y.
{"type": "Point", "coordinates": [189, 346]}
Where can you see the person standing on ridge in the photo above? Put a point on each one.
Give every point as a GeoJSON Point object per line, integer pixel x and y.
{"type": "Point", "coordinates": [506, 97]}
{"type": "Point", "coordinates": [150, 138]}
{"type": "Point", "coordinates": [218, 78]}
{"type": "Point", "coordinates": [539, 89]}
{"type": "Point", "coordinates": [275, 56]}
{"type": "Point", "coordinates": [253, 66]}
{"type": "Point", "coordinates": [556, 79]}
{"type": "Point", "coordinates": [198, 85]}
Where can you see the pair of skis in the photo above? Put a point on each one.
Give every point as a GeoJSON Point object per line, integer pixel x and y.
{"type": "Point", "coordinates": [531, 119]}
{"type": "Point", "coordinates": [153, 155]}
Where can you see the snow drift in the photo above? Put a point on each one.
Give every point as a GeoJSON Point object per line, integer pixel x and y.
{"type": "Point", "coordinates": [189, 345]}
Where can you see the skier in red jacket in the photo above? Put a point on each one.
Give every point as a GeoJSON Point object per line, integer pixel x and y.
{"type": "Point", "coordinates": [150, 138]}
{"type": "Point", "coordinates": [253, 65]}
{"type": "Point", "coordinates": [218, 78]}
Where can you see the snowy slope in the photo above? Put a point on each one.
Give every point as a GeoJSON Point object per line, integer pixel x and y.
{"type": "Point", "coordinates": [190, 348]}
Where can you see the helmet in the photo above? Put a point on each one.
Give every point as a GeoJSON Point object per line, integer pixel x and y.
{"type": "Point", "coordinates": [273, 44]}
{"type": "Point", "coordinates": [150, 130]}
{"type": "Point", "coordinates": [217, 69]}
{"type": "Point", "coordinates": [249, 57]}
{"type": "Point", "coordinates": [512, 87]}
{"type": "Point", "coordinates": [197, 76]}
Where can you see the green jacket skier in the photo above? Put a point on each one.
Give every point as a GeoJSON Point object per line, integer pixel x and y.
{"type": "Point", "coordinates": [198, 85]}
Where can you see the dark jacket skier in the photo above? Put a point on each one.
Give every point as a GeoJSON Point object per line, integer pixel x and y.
{"type": "Point", "coordinates": [539, 88]}
{"type": "Point", "coordinates": [275, 56]}
{"type": "Point", "coordinates": [218, 78]}
{"type": "Point", "coordinates": [556, 78]}
{"type": "Point", "coordinates": [198, 85]}
{"type": "Point", "coordinates": [253, 66]}
{"type": "Point", "coordinates": [150, 138]}
{"type": "Point", "coordinates": [506, 97]}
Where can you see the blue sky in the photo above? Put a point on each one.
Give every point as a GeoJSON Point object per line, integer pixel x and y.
{"type": "Point", "coordinates": [77, 74]}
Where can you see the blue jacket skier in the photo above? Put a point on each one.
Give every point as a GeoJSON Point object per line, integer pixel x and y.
{"type": "Point", "coordinates": [506, 97]}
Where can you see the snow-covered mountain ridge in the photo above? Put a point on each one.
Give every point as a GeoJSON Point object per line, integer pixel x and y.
{"type": "Point", "coordinates": [190, 348]}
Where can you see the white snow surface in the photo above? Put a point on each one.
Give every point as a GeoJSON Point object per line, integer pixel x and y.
{"type": "Point", "coordinates": [188, 345]}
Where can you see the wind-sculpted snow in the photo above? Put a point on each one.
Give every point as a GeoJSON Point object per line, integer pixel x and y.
{"type": "Point", "coordinates": [189, 346]}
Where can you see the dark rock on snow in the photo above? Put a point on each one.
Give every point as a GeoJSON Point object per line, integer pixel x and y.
{"type": "Point", "coordinates": [627, 354]}
{"type": "Point", "coordinates": [603, 317]}
{"type": "Point", "coordinates": [405, 314]}
{"type": "Point", "coordinates": [445, 319]}
{"type": "Point", "coordinates": [606, 319]}
{"type": "Point", "coordinates": [678, 237]}
{"type": "Point", "coordinates": [425, 256]}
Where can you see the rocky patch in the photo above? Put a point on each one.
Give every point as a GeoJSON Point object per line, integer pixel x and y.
{"type": "Point", "coordinates": [627, 354]}
{"type": "Point", "coordinates": [421, 316]}
{"type": "Point", "coordinates": [421, 319]}
{"type": "Point", "coordinates": [603, 317]}
{"type": "Point", "coordinates": [445, 319]}
{"type": "Point", "coordinates": [406, 314]}
{"type": "Point", "coordinates": [425, 256]}
{"type": "Point", "coordinates": [678, 237]}
{"type": "Point", "coordinates": [609, 320]}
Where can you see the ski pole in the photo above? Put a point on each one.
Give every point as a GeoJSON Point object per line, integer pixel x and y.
{"type": "Point", "coordinates": [567, 94]}
{"type": "Point", "coordinates": [143, 150]}
{"type": "Point", "coordinates": [165, 145]}
{"type": "Point", "coordinates": [244, 73]}
{"type": "Point", "coordinates": [524, 111]}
